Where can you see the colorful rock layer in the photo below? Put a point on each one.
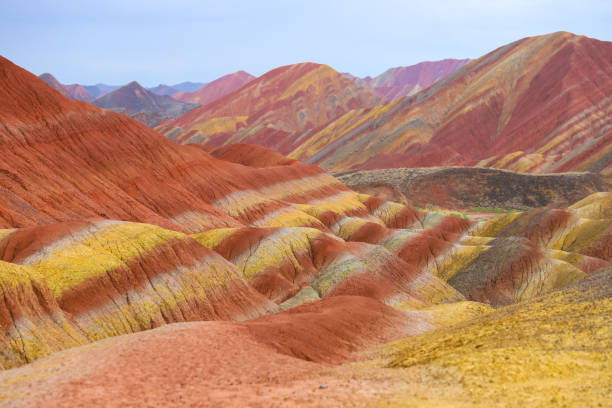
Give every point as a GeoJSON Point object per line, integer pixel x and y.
{"type": "Point", "coordinates": [538, 105]}
{"type": "Point", "coordinates": [552, 350]}
{"type": "Point", "coordinates": [109, 231]}
{"type": "Point", "coordinates": [66, 184]}
{"type": "Point", "coordinates": [541, 104]}
{"type": "Point", "coordinates": [276, 110]}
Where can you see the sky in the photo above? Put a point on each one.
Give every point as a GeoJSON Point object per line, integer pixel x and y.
{"type": "Point", "coordinates": [152, 41]}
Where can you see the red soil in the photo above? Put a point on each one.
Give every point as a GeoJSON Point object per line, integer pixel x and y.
{"type": "Point", "coordinates": [219, 364]}
{"type": "Point", "coordinates": [331, 330]}
{"type": "Point", "coordinates": [69, 160]}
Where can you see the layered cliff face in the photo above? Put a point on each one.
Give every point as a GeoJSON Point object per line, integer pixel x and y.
{"type": "Point", "coordinates": [276, 110]}
{"type": "Point", "coordinates": [261, 269]}
{"type": "Point", "coordinates": [541, 104]}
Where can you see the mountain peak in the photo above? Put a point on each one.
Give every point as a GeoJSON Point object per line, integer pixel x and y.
{"type": "Point", "coordinates": [51, 80]}
{"type": "Point", "coordinates": [133, 85]}
{"type": "Point", "coordinates": [536, 105]}
{"type": "Point", "coordinates": [147, 107]}
{"type": "Point", "coordinates": [216, 89]}
{"type": "Point", "coordinates": [279, 105]}
{"type": "Point", "coordinates": [46, 76]}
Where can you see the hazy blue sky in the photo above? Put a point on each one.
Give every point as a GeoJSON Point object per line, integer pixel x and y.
{"type": "Point", "coordinates": [116, 41]}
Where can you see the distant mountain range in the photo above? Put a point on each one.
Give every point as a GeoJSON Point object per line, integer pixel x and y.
{"type": "Point", "coordinates": [72, 91]}
{"type": "Point", "coordinates": [149, 106]}
{"type": "Point", "coordinates": [536, 105]}
{"type": "Point", "coordinates": [396, 82]}
{"type": "Point", "coordinates": [143, 105]}
{"type": "Point", "coordinates": [90, 92]}
{"type": "Point", "coordinates": [541, 104]}
{"type": "Point", "coordinates": [405, 81]}
{"type": "Point", "coordinates": [99, 90]}
{"type": "Point", "coordinates": [163, 89]}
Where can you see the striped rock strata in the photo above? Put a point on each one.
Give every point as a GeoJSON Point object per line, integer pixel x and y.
{"type": "Point", "coordinates": [109, 229]}
{"type": "Point", "coordinates": [539, 105]}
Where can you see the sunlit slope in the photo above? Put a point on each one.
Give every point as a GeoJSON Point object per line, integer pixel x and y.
{"type": "Point", "coordinates": [552, 350]}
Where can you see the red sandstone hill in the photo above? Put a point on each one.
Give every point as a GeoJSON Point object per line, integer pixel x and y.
{"type": "Point", "coordinates": [143, 105]}
{"type": "Point", "coordinates": [88, 161]}
{"type": "Point", "coordinates": [274, 109]}
{"type": "Point", "coordinates": [215, 89]}
{"type": "Point", "coordinates": [95, 212]}
{"type": "Point", "coordinates": [405, 81]}
{"type": "Point", "coordinates": [95, 163]}
{"type": "Point", "coordinates": [263, 271]}
{"type": "Point", "coordinates": [541, 104]}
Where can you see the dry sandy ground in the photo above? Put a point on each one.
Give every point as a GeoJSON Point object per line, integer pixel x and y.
{"type": "Point", "coordinates": [194, 365]}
